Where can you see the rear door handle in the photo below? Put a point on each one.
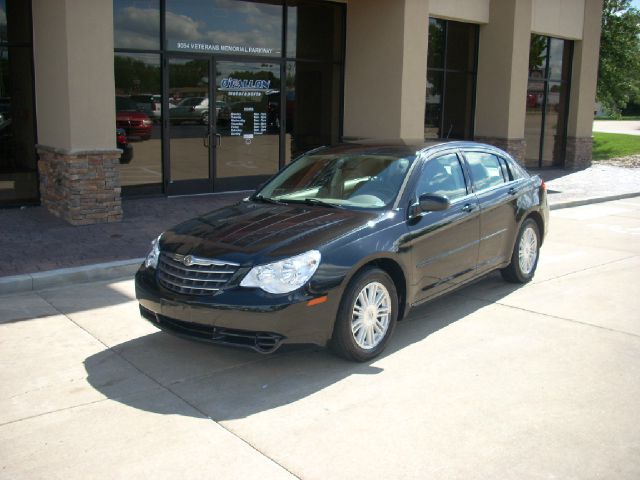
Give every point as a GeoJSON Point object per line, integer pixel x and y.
{"type": "Point", "coordinates": [512, 191]}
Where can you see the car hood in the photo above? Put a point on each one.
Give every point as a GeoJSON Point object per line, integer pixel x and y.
{"type": "Point", "coordinates": [251, 232]}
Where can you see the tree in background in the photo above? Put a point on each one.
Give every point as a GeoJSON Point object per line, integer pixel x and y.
{"type": "Point", "coordinates": [619, 69]}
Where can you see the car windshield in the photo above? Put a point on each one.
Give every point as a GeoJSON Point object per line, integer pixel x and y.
{"type": "Point", "coordinates": [190, 102]}
{"type": "Point", "coordinates": [351, 179]}
{"type": "Point", "coordinates": [124, 103]}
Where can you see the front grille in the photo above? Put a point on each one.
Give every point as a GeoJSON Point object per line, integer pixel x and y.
{"type": "Point", "coordinates": [198, 276]}
{"type": "Point", "coordinates": [262, 342]}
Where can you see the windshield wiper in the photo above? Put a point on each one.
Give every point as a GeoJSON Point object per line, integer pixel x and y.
{"type": "Point", "coordinates": [322, 203]}
{"type": "Point", "coordinates": [261, 198]}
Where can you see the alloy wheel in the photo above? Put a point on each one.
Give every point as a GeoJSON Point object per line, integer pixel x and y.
{"type": "Point", "coordinates": [371, 315]}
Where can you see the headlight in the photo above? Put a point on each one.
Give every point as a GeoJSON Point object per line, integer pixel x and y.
{"type": "Point", "coordinates": [147, 121]}
{"type": "Point", "coordinates": [283, 276]}
{"type": "Point", "coordinates": [152, 257]}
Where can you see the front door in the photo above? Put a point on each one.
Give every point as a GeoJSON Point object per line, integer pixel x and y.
{"type": "Point", "coordinates": [222, 135]}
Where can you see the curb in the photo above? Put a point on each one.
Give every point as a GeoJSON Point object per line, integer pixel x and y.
{"type": "Point", "coordinates": [68, 276]}
{"type": "Point", "coordinates": [125, 268]}
{"type": "Point", "coordinates": [589, 201]}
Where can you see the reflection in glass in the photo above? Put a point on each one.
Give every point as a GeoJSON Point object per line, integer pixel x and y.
{"type": "Point", "coordinates": [136, 24]}
{"type": "Point", "coordinates": [433, 111]}
{"type": "Point", "coordinates": [554, 125]}
{"type": "Point", "coordinates": [139, 115]}
{"type": "Point", "coordinates": [458, 119]}
{"type": "Point", "coordinates": [538, 56]}
{"type": "Point", "coordinates": [18, 179]}
{"type": "Point", "coordinates": [451, 78]}
{"type": "Point", "coordinates": [225, 27]}
{"type": "Point", "coordinates": [558, 58]}
{"type": "Point", "coordinates": [533, 122]}
{"type": "Point", "coordinates": [314, 30]}
{"type": "Point", "coordinates": [15, 21]}
{"type": "Point", "coordinates": [247, 119]}
{"type": "Point", "coordinates": [312, 108]}
{"type": "Point", "coordinates": [189, 137]}
{"type": "Point", "coordinates": [461, 46]}
{"type": "Point", "coordinates": [547, 101]}
{"type": "Point", "coordinates": [435, 57]}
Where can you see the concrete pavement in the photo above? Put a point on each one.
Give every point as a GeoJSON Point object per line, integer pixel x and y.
{"type": "Point", "coordinates": [628, 127]}
{"type": "Point", "coordinates": [495, 381]}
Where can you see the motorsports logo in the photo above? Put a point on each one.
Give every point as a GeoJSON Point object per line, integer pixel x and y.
{"type": "Point", "coordinates": [245, 88]}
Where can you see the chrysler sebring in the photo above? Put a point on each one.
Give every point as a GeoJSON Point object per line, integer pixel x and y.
{"type": "Point", "coordinates": [339, 245]}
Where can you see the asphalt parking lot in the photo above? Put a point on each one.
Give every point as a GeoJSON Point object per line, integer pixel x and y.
{"type": "Point", "coordinates": [495, 381]}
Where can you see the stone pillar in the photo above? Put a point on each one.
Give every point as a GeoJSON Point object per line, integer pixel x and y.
{"type": "Point", "coordinates": [386, 69]}
{"type": "Point", "coordinates": [82, 187]}
{"type": "Point", "coordinates": [75, 98]}
{"type": "Point", "coordinates": [584, 77]}
{"type": "Point", "coordinates": [503, 65]}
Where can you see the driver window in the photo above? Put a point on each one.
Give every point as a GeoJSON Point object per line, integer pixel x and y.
{"type": "Point", "coordinates": [442, 176]}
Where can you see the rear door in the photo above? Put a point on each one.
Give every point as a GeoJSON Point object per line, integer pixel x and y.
{"type": "Point", "coordinates": [498, 196]}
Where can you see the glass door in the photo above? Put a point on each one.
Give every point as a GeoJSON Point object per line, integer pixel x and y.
{"type": "Point", "coordinates": [247, 126]}
{"type": "Point", "coordinates": [187, 126]}
{"type": "Point", "coordinates": [240, 148]}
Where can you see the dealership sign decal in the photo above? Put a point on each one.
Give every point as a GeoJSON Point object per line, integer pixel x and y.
{"type": "Point", "coordinates": [214, 47]}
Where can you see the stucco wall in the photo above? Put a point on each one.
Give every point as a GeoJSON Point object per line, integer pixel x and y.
{"type": "Point", "coordinates": [558, 18]}
{"type": "Point", "coordinates": [74, 78]}
{"type": "Point", "coordinates": [472, 11]}
{"type": "Point", "coordinates": [385, 68]}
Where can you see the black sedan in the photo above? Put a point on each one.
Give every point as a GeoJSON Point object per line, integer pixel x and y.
{"type": "Point", "coordinates": [338, 246]}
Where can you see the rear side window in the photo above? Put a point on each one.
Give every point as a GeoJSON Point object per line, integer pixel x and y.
{"type": "Point", "coordinates": [515, 170]}
{"type": "Point", "coordinates": [486, 171]}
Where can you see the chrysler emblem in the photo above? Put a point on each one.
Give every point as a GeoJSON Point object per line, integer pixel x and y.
{"type": "Point", "coordinates": [188, 260]}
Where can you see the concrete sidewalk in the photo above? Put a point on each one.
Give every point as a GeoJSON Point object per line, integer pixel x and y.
{"type": "Point", "coordinates": [627, 127]}
{"type": "Point", "coordinates": [41, 251]}
{"type": "Point", "coordinates": [495, 381]}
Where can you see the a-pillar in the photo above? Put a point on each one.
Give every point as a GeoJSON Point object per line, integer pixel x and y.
{"type": "Point", "coordinates": [75, 91]}
{"type": "Point", "coordinates": [503, 63]}
{"type": "Point", "coordinates": [385, 69]}
{"type": "Point", "coordinates": [584, 77]}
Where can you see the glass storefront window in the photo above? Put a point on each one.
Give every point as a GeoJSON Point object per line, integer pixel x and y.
{"type": "Point", "coordinates": [225, 27]}
{"type": "Point", "coordinates": [247, 119]}
{"type": "Point", "coordinates": [314, 31]}
{"type": "Point", "coordinates": [18, 168]}
{"type": "Point", "coordinates": [136, 24]}
{"type": "Point", "coordinates": [248, 85]}
{"type": "Point", "coordinates": [312, 106]}
{"type": "Point", "coordinates": [15, 21]}
{"type": "Point", "coordinates": [433, 110]}
{"type": "Point", "coordinates": [451, 79]}
{"type": "Point", "coordinates": [547, 101]}
{"type": "Point", "coordinates": [139, 116]}
{"type": "Point", "coordinates": [435, 56]}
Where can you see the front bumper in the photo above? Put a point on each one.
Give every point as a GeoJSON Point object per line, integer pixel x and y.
{"type": "Point", "coordinates": [237, 316]}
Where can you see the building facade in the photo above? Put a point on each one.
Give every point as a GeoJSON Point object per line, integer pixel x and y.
{"type": "Point", "coordinates": [105, 99]}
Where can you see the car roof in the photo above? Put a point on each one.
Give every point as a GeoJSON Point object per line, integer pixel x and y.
{"type": "Point", "coordinates": [405, 148]}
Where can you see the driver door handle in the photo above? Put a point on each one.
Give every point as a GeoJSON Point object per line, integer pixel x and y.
{"type": "Point", "coordinates": [468, 207]}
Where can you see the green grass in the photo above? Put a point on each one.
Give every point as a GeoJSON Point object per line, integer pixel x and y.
{"type": "Point", "coordinates": [613, 145]}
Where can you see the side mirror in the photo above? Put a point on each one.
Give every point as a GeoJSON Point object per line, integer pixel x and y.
{"type": "Point", "coordinates": [429, 202]}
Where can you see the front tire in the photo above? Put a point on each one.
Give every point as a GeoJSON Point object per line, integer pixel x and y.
{"type": "Point", "coordinates": [526, 251]}
{"type": "Point", "coordinates": [367, 316]}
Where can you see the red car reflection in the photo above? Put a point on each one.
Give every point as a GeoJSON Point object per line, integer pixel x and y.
{"type": "Point", "coordinates": [134, 123]}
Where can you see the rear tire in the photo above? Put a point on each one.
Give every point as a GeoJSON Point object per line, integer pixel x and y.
{"type": "Point", "coordinates": [526, 252]}
{"type": "Point", "coordinates": [366, 317]}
